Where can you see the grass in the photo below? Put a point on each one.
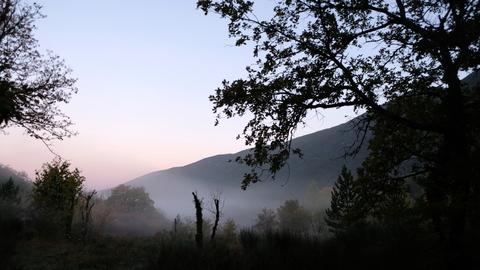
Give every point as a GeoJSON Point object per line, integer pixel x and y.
{"type": "Point", "coordinates": [357, 248]}
{"type": "Point", "coordinates": [101, 253]}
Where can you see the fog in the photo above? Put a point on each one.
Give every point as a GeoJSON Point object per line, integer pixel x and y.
{"type": "Point", "coordinates": [175, 198]}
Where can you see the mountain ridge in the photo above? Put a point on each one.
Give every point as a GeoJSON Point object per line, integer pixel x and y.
{"type": "Point", "coordinates": [322, 160]}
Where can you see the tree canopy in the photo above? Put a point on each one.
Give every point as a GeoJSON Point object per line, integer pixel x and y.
{"type": "Point", "coordinates": [31, 84]}
{"type": "Point", "coordinates": [402, 61]}
{"type": "Point", "coordinates": [266, 221]}
{"type": "Point", "coordinates": [130, 199]}
{"type": "Point", "coordinates": [293, 217]}
{"type": "Point", "coordinates": [9, 192]}
{"type": "Point", "coordinates": [328, 54]}
{"type": "Point", "coordinates": [341, 213]}
{"type": "Point", "coordinates": [56, 190]}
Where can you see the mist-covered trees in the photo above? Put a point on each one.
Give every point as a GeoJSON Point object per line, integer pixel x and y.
{"type": "Point", "coordinates": [266, 221]}
{"type": "Point", "coordinates": [293, 217]}
{"type": "Point", "coordinates": [9, 199]}
{"type": "Point", "coordinates": [126, 198]}
{"type": "Point", "coordinates": [133, 211]}
{"type": "Point", "coordinates": [9, 192]}
{"type": "Point", "coordinates": [56, 191]}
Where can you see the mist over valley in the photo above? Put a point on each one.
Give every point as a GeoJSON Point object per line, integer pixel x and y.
{"type": "Point", "coordinates": [323, 157]}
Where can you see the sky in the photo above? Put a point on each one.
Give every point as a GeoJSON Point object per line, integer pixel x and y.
{"type": "Point", "coordinates": [145, 70]}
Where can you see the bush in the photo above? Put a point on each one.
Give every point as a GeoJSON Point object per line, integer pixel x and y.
{"type": "Point", "coordinates": [10, 234]}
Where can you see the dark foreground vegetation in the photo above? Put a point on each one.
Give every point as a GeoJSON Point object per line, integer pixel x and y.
{"type": "Point", "coordinates": [124, 231]}
{"type": "Point", "coordinates": [413, 203]}
{"type": "Point", "coordinates": [371, 247]}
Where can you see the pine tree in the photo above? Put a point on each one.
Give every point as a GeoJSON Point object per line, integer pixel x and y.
{"type": "Point", "coordinates": [9, 192]}
{"type": "Point", "coordinates": [342, 212]}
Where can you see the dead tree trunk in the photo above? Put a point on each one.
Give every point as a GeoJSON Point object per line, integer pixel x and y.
{"type": "Point", "coordinates": [217, 218]}
{"type": "Point", "coordinates": [199, 216]}
{"type": "Point", "coordinates": [87, 213]}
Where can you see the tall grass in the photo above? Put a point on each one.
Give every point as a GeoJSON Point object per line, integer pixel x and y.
{"type": "Point", "coordinates": [371, 247]}
{"type": "Point", "coordinates": [10, 234]}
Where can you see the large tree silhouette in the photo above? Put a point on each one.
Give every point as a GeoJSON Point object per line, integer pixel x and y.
{"type": "Point", "coordinates": [400, 60]}
{"type": "Point", "coordinates": [31, 84]}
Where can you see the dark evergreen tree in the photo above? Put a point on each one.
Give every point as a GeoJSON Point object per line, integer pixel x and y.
{"type": "Point", "coordinates": [9, 192]}
{"type": "Point", "coordinates": [343, 211]}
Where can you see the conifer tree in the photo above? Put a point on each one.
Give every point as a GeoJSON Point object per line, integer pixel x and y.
{"type": "Point", "coordinates": [342, 212]}
{"type": "Point", "coordinates": [9, 192]}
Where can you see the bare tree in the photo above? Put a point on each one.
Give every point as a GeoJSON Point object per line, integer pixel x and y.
{"type": "Point", "coordinates": [216, 207]}
{"type": "Point", "coordinates": [199, 217]}
{"type": "Point", "coordinates": [86, 212]}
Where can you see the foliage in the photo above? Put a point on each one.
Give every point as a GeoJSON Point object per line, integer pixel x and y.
{"type": "Point", "coordinates": [102, 216]}
{"type": "Point", "coordinates": [130, 199]}
{"type": "Point", "coordinates": [56, 190]}
{"type": "Point", "coordinates": [343, 212]}
{"type": "Point", "coordinates": [184, 229]}
{"type": "Point", "coordinates": [229, 230]}
{"type": "Point", "coordinates": [443, 165]}
{"type": "Point", "coordinates": [375, 246]}
{"type": "Point", "coordinates": [315, 198]}
{"type": "Point", "coordinates": [293, 217]}
{"type": "Point", "coordinates": [9, 192]}
{"type": "Point", "coordinates": [309, 58]}
{"type": "Point", "coordinates": [10, 235]}
{"type": "Point", "coordinates": [316, 201]}
{"type": "Point", "coordinates": [31, 85]}
{"type": "Point", "coordinates": [311, 196]}
{"type": "Point", "coordinates": [20, 179]}
{"type": "Point", "coordinates": [266, 221]}
{"type": "Point", "coordinates": [133, 211]}
{"type": "Point", "coordinates": [425, 120]}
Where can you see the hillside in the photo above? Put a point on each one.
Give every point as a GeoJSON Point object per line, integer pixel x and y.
{"type": "Point", "coordinates": [322, 161]}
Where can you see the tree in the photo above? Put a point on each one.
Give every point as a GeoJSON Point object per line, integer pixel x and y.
{"type": "Point", "coordinates": [316, 199]}
{"type": "Point", "coordinates": [31, 85]}
{"type": "Point", "coordinates": [199, 221]}
{"type": "Point", "coordinates": [102, 215]}
{"type": "Point", "coordinates": [293, 217]}
{"type": "Point", "coordinates": [9, 192]}
{"type": "Point", "coordinates": [56, 190]}
{"type": "Point", "coordinates": [266, 221]}
{"type": "Point", "coordinates": [312, 198]}
{"type": "Point", "coordinates": [310, 58]}
{"type": "Point", "coordinates": [133, 210]}
{"type": "Point", "coordinates": [216, 209]}
{"type": "Point", "coordinates": [343, 212]}
{"type": "Point", "coordinates": [9, 199]}
{"type": "Point", "coordinates": [128, 199]}
{"type": "Point", "coordinates": [86, 211]}
{"type": "Point", "coordinates": [229, 231]}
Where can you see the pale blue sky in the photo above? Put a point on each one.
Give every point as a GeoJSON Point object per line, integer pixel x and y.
{"type": "Point", "coordinates": [145, 70]}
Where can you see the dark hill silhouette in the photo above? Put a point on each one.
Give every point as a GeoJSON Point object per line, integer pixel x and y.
{"type": "Point", "coordinates": [19, 178]}
{"type": "Point", "coordinates": [322, 161]}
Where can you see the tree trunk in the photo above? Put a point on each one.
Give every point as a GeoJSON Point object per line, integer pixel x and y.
{"type": "Point", "coordinates": [217, 218]}
{"type": "Point", "coordinates": [199, 217]}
